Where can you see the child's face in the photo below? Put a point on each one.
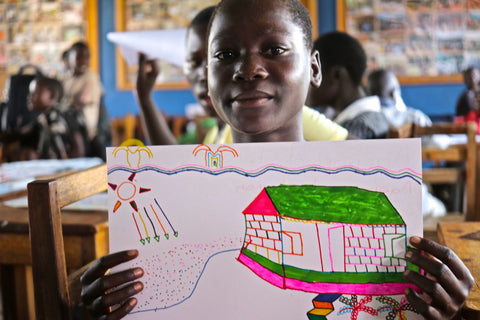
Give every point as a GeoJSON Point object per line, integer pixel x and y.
{"type": "Point", "coordinates": [40, 97]}
{"type": "Point", "coordinates": [195, 68]}
{"type": "Point", "coordinates": [259, 68]}
{"type": "Point", "coordinates": [80, 60]}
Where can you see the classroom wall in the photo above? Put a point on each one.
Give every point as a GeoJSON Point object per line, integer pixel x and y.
{"type": "Point", "coordinates": [121, 102]}
{"type": "Point", "coordinates": [434, 100]}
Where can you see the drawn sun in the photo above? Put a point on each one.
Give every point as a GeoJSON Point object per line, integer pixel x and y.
{"type": "Point", "coordinates": [126, 192]}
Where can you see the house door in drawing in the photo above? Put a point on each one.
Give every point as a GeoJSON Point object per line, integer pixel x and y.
{"type": "Point", "coordinates": [332, 244]}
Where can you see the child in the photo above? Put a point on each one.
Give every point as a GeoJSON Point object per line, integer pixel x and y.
{"type": "Point", "coordinates": [344, 62]}
{"type": "Point", "coordinates": [83, 92]}
{"type": "Point", "coordinates": [260, 53]}
{"type": "Point", "coordinates": [315, 125]}
{"type": "Point", "coordinates": [466, 100]}
{"type": "Point", "coordinates": [384, 84]}
{"type": "Point", "coordinates": [50, 135]}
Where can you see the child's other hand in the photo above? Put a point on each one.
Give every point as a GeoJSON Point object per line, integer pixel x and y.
{"type": "Point", "coordinates": [101, 294]}
{"type": "Point", "coordinates": [147, 75]}
{"type": "Point", "coordinates": [446, 283]}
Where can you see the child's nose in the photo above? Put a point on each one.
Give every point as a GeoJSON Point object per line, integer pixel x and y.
{"type": "Point", "coordinates": [250, 67]}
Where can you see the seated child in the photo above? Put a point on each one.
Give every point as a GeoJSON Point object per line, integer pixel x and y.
{"type": "Point", "coordinates": [259, 72]}
{"type": "Point", "coordinates": [53, 134]}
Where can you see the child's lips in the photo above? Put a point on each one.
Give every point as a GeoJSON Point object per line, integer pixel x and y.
{"type": "Point", "coordinates": [251, 99]}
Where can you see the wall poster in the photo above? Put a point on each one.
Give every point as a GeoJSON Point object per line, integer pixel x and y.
{"type": "Point", "coordinates": [37, 32]}
{"type": "Point", "coordinates": [421, 41]}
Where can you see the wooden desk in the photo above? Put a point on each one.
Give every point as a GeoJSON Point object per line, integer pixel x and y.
{"type": "Point", "coordinates": [86, 238]}
{"type": "Point", "coordinates": [464, 239]}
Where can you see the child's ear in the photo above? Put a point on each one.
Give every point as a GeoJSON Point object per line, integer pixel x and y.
{"type": "Point", "coordinates": [316, 69]}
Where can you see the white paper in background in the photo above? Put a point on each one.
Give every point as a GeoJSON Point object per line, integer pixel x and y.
{"type": "Point", "coordinates": [167, 45]}
{"type": "Point", "coordinates": [190, 210]}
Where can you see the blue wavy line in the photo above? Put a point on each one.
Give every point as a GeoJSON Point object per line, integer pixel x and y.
{"type": "Point", "coordinates": [194, 287]}
{"type": "Point", "coordinates": [256, 174]}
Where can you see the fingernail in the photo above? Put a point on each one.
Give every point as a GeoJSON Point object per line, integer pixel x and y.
{"type": "Point", "coordinates": [414, 240]}
{"type": "Point", "coordinates": [407, 291]}
{"type": "Point", "coordinates": [138, 272]}
{"type": "Point", "coordinates": [131, 253]}
{"type": "Point", "coordinates": [408, 255]}
{"type": "Point", "coordinates": [138, 286]}
{"type": "Point", "coordinates": [406, 273]}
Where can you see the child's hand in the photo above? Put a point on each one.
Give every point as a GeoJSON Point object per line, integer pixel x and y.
{"type": "Point", "coordinates": [147, 75]}
{"type": "Point", "coordinates": [101, 292]}
{"type": "Point", "coordinates": [446, 283]}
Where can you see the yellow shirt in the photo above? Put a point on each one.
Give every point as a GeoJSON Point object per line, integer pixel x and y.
{"type": "Point", "coordinates": [316, 127]}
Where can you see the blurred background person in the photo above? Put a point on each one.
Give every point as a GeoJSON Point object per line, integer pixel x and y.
{"type": "Point", "coordinates": [384, 84]}
{"type": "Point", "coordinates": [83, 92]}
{"type": "Point", "coordinates": [51, 135]}
{"type": "Point", "coordinates": [465, 102]}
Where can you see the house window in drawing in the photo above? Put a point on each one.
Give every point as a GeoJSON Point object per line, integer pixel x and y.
{"type": "Point", "coordinates": [352, 235]}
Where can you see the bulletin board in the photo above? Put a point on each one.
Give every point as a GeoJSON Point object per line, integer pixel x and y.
{"type": "Point", "coordinates": [427, 41]}
{"type": "Point", "coordinates": [137, 15]}
{"type": "Point", "coordinates": [37, 32]}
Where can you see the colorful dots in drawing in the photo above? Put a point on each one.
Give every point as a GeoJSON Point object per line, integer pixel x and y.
{"type": "Point", "coordinates": [173, 275]}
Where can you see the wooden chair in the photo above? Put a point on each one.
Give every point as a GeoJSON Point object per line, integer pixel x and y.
{"type": "Point", "coordinates": [463, 154]}
{"type": "Point", "coordinates": [46, 198]}
{"type": "Point", "coordinates": [123, 128]}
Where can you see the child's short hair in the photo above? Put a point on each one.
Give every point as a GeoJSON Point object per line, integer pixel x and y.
{"type": "Point", "coordinates": [202, 17]}
{"type": "Point", "coordinates": [299, 15]}
{"type": "Point", "coordinates": [53, 85]}
{"type": "Point", "coordinates": [80, 45]}
{"type": "Point", "coordinates": [340, 49]}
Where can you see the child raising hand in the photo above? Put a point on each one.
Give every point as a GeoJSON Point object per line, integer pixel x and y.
{"type": "Point", "coordinates": [260, 66]}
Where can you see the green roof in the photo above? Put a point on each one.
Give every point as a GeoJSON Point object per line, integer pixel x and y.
{"type": "Point", "coordinates": [334, 204]}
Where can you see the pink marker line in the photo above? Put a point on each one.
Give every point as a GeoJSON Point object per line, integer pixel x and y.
{"type": "Point", "coordinates": [322, 287]}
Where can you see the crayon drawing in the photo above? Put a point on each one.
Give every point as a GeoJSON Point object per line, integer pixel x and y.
{"type": "Point", "coordinates": [256, 231]}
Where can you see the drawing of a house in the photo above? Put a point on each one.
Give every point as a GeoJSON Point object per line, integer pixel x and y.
{"type": "Point", "coordinates": [326, 239]}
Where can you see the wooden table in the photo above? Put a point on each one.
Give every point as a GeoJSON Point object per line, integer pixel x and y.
{"type": "Point", "coordinates": [85, 236]}
{"type": "Point", "coordinates": [464, 239]}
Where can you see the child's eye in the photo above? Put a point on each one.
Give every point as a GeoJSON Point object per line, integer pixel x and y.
{"type": "Point", "coordinates": [223, 55]}
{"type": "Point", "coordinates": [275, 51]}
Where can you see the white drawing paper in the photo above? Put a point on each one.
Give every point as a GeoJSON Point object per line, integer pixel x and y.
{"type": "Point", "coordinates": [313, 230]}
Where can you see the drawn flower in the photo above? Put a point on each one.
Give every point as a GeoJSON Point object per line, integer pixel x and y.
{"type": "Point", "coordinates": [394, 307]}
{"type": "Point", "coordinates": [354, 306]}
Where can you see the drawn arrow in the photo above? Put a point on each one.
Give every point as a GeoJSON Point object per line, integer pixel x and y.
{"type": "Point", "coordinates": [159, 222]}
{"type": "Point", "coordinates": [175, 232]}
